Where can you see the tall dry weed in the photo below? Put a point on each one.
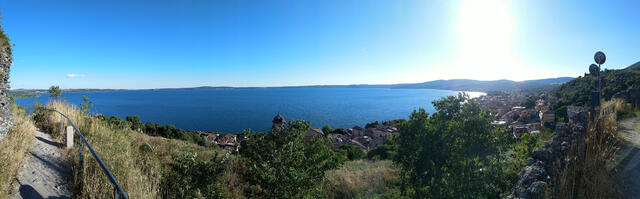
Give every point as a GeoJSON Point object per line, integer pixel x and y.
{"type": "Point", "coordinates": [14, 149]}
{"type": "Point", "coordinates": [586, 174]}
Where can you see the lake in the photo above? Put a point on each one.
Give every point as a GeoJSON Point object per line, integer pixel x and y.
{"type": "Point", "coordinates": [233, 110]}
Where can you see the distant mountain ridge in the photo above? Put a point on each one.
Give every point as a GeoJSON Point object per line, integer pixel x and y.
{"type": "Point", "coordinates": [635, 66]}
{"type": "Point", "coordinates": [494, 85]}
{"type": "Point", "coordinates": [452, 84]}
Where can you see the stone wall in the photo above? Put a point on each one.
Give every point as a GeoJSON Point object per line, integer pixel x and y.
{"type": "Point", "coordinates": [6, 118]}
{"type": "Point", "coordinates": [537, 178]}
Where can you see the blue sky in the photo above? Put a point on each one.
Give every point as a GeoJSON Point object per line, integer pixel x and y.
{"type": "Point", "coordinates": [160, 43]}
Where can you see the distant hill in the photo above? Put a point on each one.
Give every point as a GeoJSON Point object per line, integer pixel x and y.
{"type": "Point", "coordinates": [453, 84]}
{"type": "Point", "coordinates": [495, 85]}
{"type": "Point", "coordinates": [635, 66]}
{"type": "Point", "coordinates": [622, 83]}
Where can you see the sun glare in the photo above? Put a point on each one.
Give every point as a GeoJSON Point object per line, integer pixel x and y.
{"type": "Point", "coordinates": [485, 34]}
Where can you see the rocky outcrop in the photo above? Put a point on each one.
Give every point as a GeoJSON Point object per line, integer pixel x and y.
{"type": "Point", "coordinates": [6, 118]}
{"type": "Point", "coordinates": [546, 162]}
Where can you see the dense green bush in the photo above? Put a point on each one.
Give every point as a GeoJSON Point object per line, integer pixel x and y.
{"type": "Point", "coordinates": [135, 122]}
{"type": "Point", "coordinates": [385, 151]}
{"type": "Point", "coordinates": [282, 165]}
{"type": "Point", "coordinates": [351, 152]}
{"type": "Point", "coordinates": [167, 131]}
{"type": "Point", "coordinates": [454, 153]}
{"type": "Point", "coordinates": [339, 131]}
{"type": "Point", "coordinates": [327, 129]}
{"type": "Point", "coordinates": [191, 177]}
{"type": "Point", "coordinates": [371, 125]}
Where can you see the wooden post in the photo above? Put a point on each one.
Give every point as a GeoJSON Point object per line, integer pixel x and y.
{"type": "Point", "coordinates": [69, 137]}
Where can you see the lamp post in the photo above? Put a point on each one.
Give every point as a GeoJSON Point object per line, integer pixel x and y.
{"type": "Point", "coordinates": [599, 57]}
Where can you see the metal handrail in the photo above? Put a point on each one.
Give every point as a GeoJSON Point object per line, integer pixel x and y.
{"type": "Point", "coordinates": [95, 155]}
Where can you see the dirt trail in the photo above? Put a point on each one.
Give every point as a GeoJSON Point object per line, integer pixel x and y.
{"type": "Point", "coordinates": [44, 174]}
{"type": "Point", "coordinates": [628, 160]}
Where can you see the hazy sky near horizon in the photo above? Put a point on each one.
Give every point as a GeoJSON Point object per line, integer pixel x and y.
{"type": "Point", "coordinates": [170, 43]}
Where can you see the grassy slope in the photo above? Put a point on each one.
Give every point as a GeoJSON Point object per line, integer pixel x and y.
{"type": "Point", "coordinates": [14, 149]}
{"type": "Point", "coordinates": [361, 179]}
{"type": "Point", "coordinates": [578, 91]}
{"type": "Point", "coordinates": [137, 161]}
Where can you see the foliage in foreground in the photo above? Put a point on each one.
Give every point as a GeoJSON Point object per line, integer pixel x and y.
{"type": "Point", "coordinates": [454, 149]}
{"type": "Point", "coordinates": [589, 176]}
{"type": "Point", "coordinates": [169, 131]}
{"type": "Point", "coordinates": [14, 149]}
{"type": "Point", "coordinates": [282, 165]}
{"type": "Point", "coordinates": [145, 166]}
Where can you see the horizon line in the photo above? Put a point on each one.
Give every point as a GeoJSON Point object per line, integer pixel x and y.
{"type": "Point", "coordinates": [289, 86]}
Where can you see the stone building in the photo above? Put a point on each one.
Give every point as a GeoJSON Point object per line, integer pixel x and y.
{"type": "Point", "coordinates": [278, 123]}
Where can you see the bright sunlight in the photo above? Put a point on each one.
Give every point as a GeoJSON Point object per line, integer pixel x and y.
{"type": "Point", "coordinates": [485, 35]}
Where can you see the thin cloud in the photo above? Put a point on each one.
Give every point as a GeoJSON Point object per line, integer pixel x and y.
{"type": "Point", "coordinates": [75, 75]}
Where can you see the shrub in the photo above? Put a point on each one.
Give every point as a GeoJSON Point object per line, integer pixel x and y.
{"type": "Point", "coordinates": [327, 129]}
{"type": "Point", "coordinates": [386, 151]}
{"type": "Point", "coordinates": [135, 123]}
{"type": "Point", "coordinates": [282, 165]}
{"type": "Point", "coordinates": [340, 131]}
{"type": "Point", "coordinates": [352, 152]}
{"type": "Point", "coordinates": [193, 178]}
{"type": "Point", "coordinates": [139, 162]}
{"type": "Point", "coordinates": [453, 150]}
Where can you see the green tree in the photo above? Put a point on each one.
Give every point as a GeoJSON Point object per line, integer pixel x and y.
{"type": "Point", "coordinates": [530, 102]}
{"type": "Point", "coordinates": [351, 152]}
{"type": "Point", "coordinates": [327, 129]}
{"type": "Point", "coordinates": [386, 151]}
{"type": "Point", "coordinates": [282, 165]}
{"type": "Point", "coordinates": [150, 129]}
{"type": "Point", "coordinates": [340, 131]}
{"type": "Point", "coordinates": [55, 92]}
{"type": "Point", "coordinates": [136, 124]}
{"type": "Point", "coordinates": [526, 146]}
{"type": "Point", "coordinates": [86, 104]}
{"type": "Point", "coordinates": [452, 154]}
{"type": "Point", "coordinates": [191, 177]}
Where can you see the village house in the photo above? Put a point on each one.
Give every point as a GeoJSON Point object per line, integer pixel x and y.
{"type": "Point", "coordinates": [518, 129]}
{"type": "Point", "coordinates": [338, 139]}
{"type": "Point", "coordinates": [529, 116]}
{"type": "Point", "coordinates": [311, 133]}
{"type": "Point", "coordinates": [547, 118]}
{"type": "Point", "coordinates": [356, 131]}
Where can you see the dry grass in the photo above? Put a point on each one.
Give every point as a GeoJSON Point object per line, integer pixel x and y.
{"type": "Point", "coordinates": [14, 149]}
{"type": "Point", "coordinates": [586, 175]}
{"type": "Point", "coordinates": [360, 179]}
{"type": "Point", "coordinates": [137, 161]}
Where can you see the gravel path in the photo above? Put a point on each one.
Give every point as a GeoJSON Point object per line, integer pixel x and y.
{"type": "Point", "coordinates": [44, 174]}
{"type": "Point", "coordinates": [629, 158]}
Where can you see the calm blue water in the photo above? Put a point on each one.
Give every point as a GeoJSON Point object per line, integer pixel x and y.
{"type": "Point", "coordinates": [233, 110]}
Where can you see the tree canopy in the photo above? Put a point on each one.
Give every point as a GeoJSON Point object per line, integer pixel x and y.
{"type": "Point", "coordinates": [55, 92]}
{"type": "Point", "coordinates": [282, 165]}
{"type": "Point", "coordinates": [454, 153]}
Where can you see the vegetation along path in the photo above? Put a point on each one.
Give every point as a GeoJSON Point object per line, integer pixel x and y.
{"type": "Point", "coordinates": [44, 174]}
{"type": "Point", "coordinates": [629, 158]}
